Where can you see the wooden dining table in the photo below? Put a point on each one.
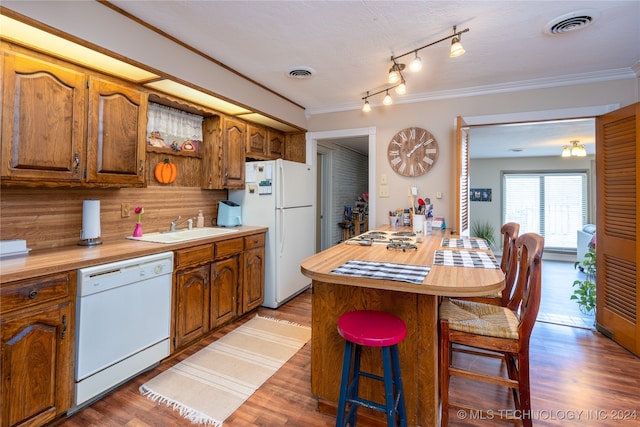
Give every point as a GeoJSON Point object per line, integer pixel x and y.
{"type": "Point", "coordinates": [415, 303]}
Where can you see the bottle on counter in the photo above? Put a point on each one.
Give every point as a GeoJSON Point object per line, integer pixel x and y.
{"type": "Point", "coordinates": [200, 220]}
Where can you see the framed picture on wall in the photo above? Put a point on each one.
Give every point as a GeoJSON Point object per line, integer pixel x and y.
{"type": "Point", "coordinates": [480, 194]}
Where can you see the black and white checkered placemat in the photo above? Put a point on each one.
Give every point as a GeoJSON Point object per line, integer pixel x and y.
{"type": "Point", "coordinates": [464, 243]}
{"type": "Point", "coordinates": [384, 270]}
{"type": "Point", "coordinates": [465, 259]}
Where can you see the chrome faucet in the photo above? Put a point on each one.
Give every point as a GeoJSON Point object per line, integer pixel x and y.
{"type": "Point", "coordinates": [175, 223]}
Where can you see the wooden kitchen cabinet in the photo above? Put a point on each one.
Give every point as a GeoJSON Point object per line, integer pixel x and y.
{"type": "Point", "coordinates": [253, 272]}
{"type": "Point", "coordinates": [295, 147]}
{"type": "Point", "coordinates": [224, 144]}
{"type": "Point", "coordinates": [37, 346]}
{"type": "Point", "coordinates": [257, 142]}
{"type": "Point", "coordinates": [192, 304]}
{"type": "Point", "coordinates": [224, 290]}
{"type": "Point", "coordinates": [276, 144]}
{"type": "Point", "coordinates": [117, 129]}
{"type": "Point", "coordinates": [43, 121]}
{"type": "Point", "coordinates": [62, 125]}
{"type": "Point", "coordinates": [215, 283]}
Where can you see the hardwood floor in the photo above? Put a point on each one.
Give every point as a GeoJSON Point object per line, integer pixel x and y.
{"type": "Point", "coordinates": [578, 377]}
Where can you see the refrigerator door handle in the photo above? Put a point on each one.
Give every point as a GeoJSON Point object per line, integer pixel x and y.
{"type": "Point", "coordinates": [282, 231]}
{"type": "Point", "coordinates": [280, 183]}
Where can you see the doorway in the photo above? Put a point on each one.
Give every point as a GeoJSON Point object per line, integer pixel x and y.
{"type": "Point", "coordinates": [324, 191]}
{"type": "Point", "coordinates": [494, 147]}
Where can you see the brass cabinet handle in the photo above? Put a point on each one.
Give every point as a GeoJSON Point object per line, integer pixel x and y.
{"type": "Point", "coordinates": [76, 162]}
{"type": "Point", "coordinates": [141, 169]}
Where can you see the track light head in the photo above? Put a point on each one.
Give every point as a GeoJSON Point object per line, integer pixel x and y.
{"type": "Point", "coordinates": [387, 99]}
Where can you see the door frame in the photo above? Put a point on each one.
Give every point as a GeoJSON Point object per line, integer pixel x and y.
{"type": "Point", "coordinates": [370, 132]}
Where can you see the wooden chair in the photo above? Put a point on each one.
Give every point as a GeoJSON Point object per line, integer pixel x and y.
{"type": "Point", "coordinates": [502, 331]}
{"type": "Point", "coordinates": [508, 265]}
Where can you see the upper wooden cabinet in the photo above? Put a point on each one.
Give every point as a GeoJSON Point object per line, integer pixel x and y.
{"type": "Point", "coordinates": [276, 144]}
{"type": "Point", "coordinates": [296, 147]}
{"type": "Point", "coordinates": [257, 143]}
{"type": "Point", "coordinates": [263, 143]}
{"type": "Point", "coordinates": [224, 143]}
{"type": "Point", "coordinates": [62, 126]}
{"type": "Point", "coordinates": [43, 121]}
{"type": "Point", "coordinates": [117, 129]}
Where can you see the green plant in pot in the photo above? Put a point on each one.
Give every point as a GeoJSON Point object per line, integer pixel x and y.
{"type": "Point", "coordinates": [485, 231]}
{"type": "Point", "coordinates": [585, 290]}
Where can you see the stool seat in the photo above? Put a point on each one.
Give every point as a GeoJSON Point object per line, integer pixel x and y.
{"type": "Point", "coordinates": [371, 328]}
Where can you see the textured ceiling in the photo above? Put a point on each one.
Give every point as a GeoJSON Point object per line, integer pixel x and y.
{"type": "Point", "coordinates": [348, 44]}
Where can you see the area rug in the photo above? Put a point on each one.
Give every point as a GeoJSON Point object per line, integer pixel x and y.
{"type": "Point", "coordinates": [210, 385]}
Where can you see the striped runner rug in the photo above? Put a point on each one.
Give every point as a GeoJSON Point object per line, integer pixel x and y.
{"type": "Point", "coordinates": [210, 385]}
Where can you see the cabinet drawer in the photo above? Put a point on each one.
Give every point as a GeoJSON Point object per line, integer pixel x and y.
{"type": "Point", "coordinates": [34, 291]}
{"type": "Point", "coordinates": [255, 241]}
{"type": "Point", "coordinates": [194, 255]}
{"type": "Point", "coordinates": [229, 247]}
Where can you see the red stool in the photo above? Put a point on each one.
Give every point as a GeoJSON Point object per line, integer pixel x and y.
{"type": "Point", "coordinates": [371, 329]}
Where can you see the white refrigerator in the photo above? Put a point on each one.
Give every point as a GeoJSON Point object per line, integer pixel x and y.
{"type": "Point", "coordinates": [279, 194]}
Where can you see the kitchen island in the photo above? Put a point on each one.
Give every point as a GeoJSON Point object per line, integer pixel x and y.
{"type": "Point", "coordinates": [416, 304]}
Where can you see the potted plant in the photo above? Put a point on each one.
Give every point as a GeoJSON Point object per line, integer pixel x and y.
{"type": "Point", "coordinates": [585, 290]}
{"type": "Point", "coordinates": [485, 231]}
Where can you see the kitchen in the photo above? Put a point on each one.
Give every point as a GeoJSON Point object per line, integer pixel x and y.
{"type": "Point", "coordinates": [54, 215]}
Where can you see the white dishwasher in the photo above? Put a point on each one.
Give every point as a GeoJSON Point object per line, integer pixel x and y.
{"type": "Point", "coordinates": [123, 314]}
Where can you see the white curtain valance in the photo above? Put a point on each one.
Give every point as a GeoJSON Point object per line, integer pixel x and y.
{"type": "Point", "coordinates": [173, 128]}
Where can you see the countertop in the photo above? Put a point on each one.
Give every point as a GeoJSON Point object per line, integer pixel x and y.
{"type": "Point", "coordinates": [55, 260]}
{"type": "Point", "coordinates": [441, 280]}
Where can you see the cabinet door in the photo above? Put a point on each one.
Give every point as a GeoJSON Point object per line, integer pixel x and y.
{"type": "Point", "coordinates": [116, 134]}
{"type": "Point", "coordinates": [253, 280]}
{"type": "Point", "coordinates": [295, 147]}
{"type": "Point", "coordinates": [276, 144]}
{"type": "Point", "coordinates": [224, 290]}
{"type": "Point", "coordinates": [256, 142]}
{"type": "Point", "coordinates": [192, 304]}
{"type": "Point", "coordinates": [233, 153]}
{"type": "Point", "coordinates": [43, 121]}
{"type": "Point", "coordinates": [37, 365]}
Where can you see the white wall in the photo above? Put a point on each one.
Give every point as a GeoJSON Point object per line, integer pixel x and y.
{"type": "Point", "coordinates": [438, 117]}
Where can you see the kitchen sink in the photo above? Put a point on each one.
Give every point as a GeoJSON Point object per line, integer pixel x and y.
{"type": "Point", "coordinates": [184, 235]}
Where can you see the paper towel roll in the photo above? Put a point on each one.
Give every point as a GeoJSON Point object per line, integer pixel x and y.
{"type": "Point", "coordinates": [90, 219]}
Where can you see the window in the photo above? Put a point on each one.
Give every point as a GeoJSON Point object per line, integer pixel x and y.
{"type": "Point", "coordinates": [553, 205]}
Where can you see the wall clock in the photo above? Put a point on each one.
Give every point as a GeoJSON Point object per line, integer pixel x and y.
{"type": "Point", "coordinates": [412, 151]}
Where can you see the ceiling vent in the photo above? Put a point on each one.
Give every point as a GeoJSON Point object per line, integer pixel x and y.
{"type": "Point", "coordinates": [571, 21]}
{"type": "Point", "coordinates": [300, 72]}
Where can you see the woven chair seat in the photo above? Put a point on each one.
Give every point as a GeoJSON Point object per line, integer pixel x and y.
{"type": "Point", "coordinates": [480, 319]}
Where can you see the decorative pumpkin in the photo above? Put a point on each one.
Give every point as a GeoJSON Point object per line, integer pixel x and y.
{"type": "Point", "coordinates": [166, 172]}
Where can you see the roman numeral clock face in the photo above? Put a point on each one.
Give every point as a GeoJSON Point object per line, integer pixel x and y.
{"type": "Point", "coordinates": [412, 151]}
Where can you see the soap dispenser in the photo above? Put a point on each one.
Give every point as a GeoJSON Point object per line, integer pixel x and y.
{"type": "Point", "coordinates": [200, 221]}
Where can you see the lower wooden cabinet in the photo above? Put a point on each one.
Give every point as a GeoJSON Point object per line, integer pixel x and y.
{"type": "Point", "coordinates": [253, 273]}
{"type": "Point", "coordinates": [192, 304]}
{"type": "Point", "coordinates": [215, 283]}
{"type": "Point", "coordinates": [224, 290]}
{"type": "Point", "coordinates": [37, 341]}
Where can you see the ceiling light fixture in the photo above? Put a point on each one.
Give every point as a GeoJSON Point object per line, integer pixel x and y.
{"type": "Point", "coordinates": [395, 76]}
{"type": "Point", "coordinates": [574, 150]}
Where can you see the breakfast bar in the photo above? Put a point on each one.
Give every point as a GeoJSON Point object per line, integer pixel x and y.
{"type": "Point", "coordinates": [338, 289]}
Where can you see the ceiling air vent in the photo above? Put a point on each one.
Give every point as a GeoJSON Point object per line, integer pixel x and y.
{"type": "Point", "coordinates": [300, 72]}
{"type": "Point", "coordinates": [571, 21]}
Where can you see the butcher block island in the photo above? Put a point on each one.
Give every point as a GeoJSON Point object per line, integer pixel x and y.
{"type": "Point", "coordinates": [343, 281]}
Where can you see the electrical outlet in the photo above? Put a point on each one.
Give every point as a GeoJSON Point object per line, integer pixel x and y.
{"type": "Point", "coordinates": [125, 210]}
{"type": "Point", "coordinates": [384, 191]}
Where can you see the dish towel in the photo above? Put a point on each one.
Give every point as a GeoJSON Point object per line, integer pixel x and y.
{"type": "Point", "coordinates": [384, 270]}
{"type": "Point", "coordinates": [465, 259]}
{"type": "Point", "coordinates": [464, 243]}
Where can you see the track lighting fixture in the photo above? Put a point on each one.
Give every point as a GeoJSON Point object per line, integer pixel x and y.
{"type": "Point", "coordinates": [395, 76]}
{"type": "Point", "coordinates": [387, 99]}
